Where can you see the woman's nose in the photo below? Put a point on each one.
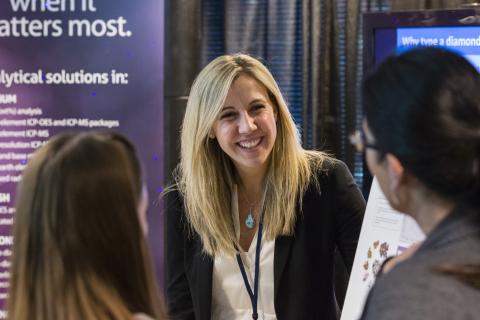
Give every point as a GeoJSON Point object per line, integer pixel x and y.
{"type": "Point", "coordinates": [247, 123]}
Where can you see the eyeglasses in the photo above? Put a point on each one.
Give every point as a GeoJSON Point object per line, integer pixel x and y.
{"type": "Point", "coordinates": [357, 139]}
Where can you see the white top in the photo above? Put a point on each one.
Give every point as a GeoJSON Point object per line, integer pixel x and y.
{"type": "Point", "coordinates": [141, 316]}
{"type": "Point", "coordinates": [230, 299]}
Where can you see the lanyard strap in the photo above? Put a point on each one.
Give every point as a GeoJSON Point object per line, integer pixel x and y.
{"type": "Point", "coordinates": [253, 295]}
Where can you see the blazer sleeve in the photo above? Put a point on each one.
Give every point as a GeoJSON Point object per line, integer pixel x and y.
{"type": "Point", "coordinates": [348, 217]}
{"type": "Point", "coordinates": [179, 299]}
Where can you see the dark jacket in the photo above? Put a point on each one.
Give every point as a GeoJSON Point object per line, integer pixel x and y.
{"type": "Point", "coordinates": [303, 263]}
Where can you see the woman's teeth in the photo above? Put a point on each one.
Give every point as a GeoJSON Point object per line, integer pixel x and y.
{"type": "Point", "coordinates": [250, 144]}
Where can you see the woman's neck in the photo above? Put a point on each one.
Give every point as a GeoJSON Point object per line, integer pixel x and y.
{"type": "Point", "coordinates": [429, 209]}
{"type": "Point", "coordinates": [251, 183]}
{"type": "Point", "coordinates": [251, 188]}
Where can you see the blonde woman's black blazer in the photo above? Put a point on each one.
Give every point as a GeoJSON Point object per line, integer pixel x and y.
{"type": "Point", "coordinates": [303, 263]}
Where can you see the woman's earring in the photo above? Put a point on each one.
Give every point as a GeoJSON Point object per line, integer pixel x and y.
{"type": "Point", "coordinates": [211, 136]}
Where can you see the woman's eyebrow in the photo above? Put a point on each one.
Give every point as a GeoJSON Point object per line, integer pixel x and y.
{"type": "Point", "coordinates": [257, 100]}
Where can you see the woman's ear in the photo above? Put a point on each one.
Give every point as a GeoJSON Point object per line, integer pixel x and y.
{"type": "Point", "coordinates": [396, 177]}
{"type": "Point", "coordinates": [394, 167]}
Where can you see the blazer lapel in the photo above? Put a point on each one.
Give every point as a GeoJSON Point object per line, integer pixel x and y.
{"type": "Point", "coordinates": [283, 247]}
{"type": "Point", "coordinates": [199, 273]}
{"type": "Point", "coordinates": [205, 269]}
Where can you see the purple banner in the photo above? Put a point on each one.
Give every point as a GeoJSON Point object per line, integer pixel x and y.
{"type": "Point", "coordinates": [74, 65]}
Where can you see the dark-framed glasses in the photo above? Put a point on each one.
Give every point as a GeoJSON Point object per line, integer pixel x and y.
{"type": "Point", "coordinates": [358, 140]}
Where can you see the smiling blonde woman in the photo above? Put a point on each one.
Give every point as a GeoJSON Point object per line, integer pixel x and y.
{"type": "Point", "coordinates": [254, 218]}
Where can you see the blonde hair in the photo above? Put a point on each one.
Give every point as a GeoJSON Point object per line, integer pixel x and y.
{"type": "Point", "coordinates": [205, 176]}
{"type": "Point", "coordinates": [79, 251]}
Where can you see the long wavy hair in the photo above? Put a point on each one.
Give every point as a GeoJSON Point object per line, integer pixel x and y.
{"type": "Point", "coordinates": [79, 251]}
{"type": "Point", "coordinates": [206, 175]}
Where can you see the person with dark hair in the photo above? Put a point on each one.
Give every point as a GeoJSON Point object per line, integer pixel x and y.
{"type": "Point", "coordinates": [79, 247]}
{"type": "Point", "coordinates": [422, 142]}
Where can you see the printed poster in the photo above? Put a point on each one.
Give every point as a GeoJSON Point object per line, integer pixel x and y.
{"type": "Point", "coordinates": [75, 65]}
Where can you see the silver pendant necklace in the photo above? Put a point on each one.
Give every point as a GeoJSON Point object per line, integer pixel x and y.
{"type": "Point", "coordinates": [250, 219]}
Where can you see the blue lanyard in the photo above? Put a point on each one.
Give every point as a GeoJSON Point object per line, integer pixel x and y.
{"type": "Point", "coordinates": [253, 295]}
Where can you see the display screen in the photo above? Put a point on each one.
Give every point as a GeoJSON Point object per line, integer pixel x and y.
{"type": "Point", "coordinates": [463, 40]}
{"type": "Point", "coordinates": [395, 32]}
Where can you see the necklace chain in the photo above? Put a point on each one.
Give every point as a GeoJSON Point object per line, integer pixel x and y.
{"type": "Point", "coordinates": [250, 219]}
{"type": "Point", "coordinates": [251, 204]}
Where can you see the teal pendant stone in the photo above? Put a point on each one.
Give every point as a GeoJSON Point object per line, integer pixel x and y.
{"type": "Point", "coordinates": [250, 222]}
